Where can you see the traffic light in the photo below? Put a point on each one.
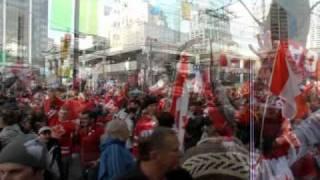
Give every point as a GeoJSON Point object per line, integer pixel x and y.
{"type": "Point", "coordinates": [65, 45]}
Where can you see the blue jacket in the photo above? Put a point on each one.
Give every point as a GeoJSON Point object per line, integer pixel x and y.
{"type": "Point", "coordinates": [115, 159]}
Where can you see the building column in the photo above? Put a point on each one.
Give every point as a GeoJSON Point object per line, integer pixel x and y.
{"type": "Point", "coordinates": [30, 35]}
{"type": "Point", "coordinates": [4, 24]}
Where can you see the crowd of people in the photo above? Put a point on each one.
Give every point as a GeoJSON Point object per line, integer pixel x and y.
{"type": "Point", "coordinates": [117, 133]}
{"type": "Point", "coordinates": [59, 134]}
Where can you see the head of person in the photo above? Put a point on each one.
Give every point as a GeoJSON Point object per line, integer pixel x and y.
{"type": "Point", "coordinates": [117, 129]}
{"type": "Point", "coordinates": [216, 158]}
{"type": "Point", "coordinates": [160, 149]}
{"type": "Point", "coordinates": [24, 158]}
{"type": "Point", "coordinates": [63, 113]}
{"type": "Point", "coordinates": [9, 114]}
{"type": "Point", "coordinates": [133, 106]}
{"type": "Point", "coordinates": [38, 120]}
{"type": "Point", "coordinates": [26, 118]}
{"type": "Point", "coordinates": [150, 104]}
{"type": "Point", "coordinates": [165, 119]}
{"type": "Point", "coordinates": [86, 118]}
{"type": "Point", "coordinates": [44, 134]}
{"type": "Point", "coordinates": [52, 93]}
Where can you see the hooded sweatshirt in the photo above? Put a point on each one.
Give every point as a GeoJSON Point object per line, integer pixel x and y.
{"type": "Point", "coordinates": [115, 159]}
{"type": "Point", "coordinates": [8, 133]}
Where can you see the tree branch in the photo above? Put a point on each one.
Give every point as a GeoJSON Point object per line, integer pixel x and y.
{"type": "Point", "coordinates": [314, 6]}
{"type": "Point", "coordinates": [254, 18]}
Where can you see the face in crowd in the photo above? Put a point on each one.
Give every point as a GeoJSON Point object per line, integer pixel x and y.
{"type": "Point", "coordinates": [63, 114]}
{"type": "Point", "coordinates": [84, 120]}
{"type": "Point", "coordinates": [152, 108]}
{"type": "Point", "coordinates": [45, 136]}
{"type": "Point", "coordinates": [13, 171]}
{"type": "Point", "coordinates": [168, 157]}
{"type": "Point", "coordinates": [160, 149]}
{"type": "Point", "coordinates": [132, 107]}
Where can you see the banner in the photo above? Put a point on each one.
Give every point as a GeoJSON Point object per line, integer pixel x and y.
{"type": "Point", "coordinates": [88, 21]}
{"type": "Point", "coordinates": [186, 10]}
{"type": "Point", "coordinates": [61, 15]}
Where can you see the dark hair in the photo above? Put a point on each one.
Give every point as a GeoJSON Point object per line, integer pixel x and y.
{"type": "Point", "coordinates": [36, 119]}
{"type": "Point", "coordinates": [135, 101]}
{"type": "Point", "coordinates": [155, 141]}
{"type": "Point", "coordinates": [165, 119]}
{"type": "Point", "coordinates": [91, 114]}
{"type": "Point", "coordinates": [10, 112]}
{"type": "Point", "coordinates": [148, 100]}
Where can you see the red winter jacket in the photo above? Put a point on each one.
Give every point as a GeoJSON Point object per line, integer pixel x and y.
{"type": "Point", "coordinates": [52, 106]}
{"type": "Point", "coordinates": [143, 128]}
{"type": "Point", "coordinates": [64, 131]}
{"type": "Point", "coordinates": [89, 143]}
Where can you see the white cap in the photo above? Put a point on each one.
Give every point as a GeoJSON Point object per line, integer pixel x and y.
{"type": "Point", "coordinates": [44, 128]}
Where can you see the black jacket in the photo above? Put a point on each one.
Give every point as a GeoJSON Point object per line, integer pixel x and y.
{"type": "Point", "coordinates": [55, 151]}
{"type": "Point", "coordinates": [137, 174]}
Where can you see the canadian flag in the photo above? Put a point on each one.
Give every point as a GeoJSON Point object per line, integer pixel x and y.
{"type": "Point", "coordinates": [286, 81]}
{"type": "Point", "coordinates": [181, 78]}
{"type": "Point", "coordinates": [180, 96]}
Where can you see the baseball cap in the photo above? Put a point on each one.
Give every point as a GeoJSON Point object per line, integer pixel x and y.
{"type": "Point", "coordinates": [44, 128]}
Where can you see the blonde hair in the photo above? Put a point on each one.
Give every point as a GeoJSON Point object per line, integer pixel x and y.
{"type": "Point", "coordinates": [117, 129]}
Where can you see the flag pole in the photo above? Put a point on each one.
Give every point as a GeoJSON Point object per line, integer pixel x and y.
{"type": "Point", "coordinates": [263, 120]}
{"type": "Point", "coordinates": [267, 100]}
{"type": "Point", "coordinates": [269, 85]}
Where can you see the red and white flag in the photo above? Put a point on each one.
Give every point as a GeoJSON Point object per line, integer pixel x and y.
{"type": "Point", "coordinates": [180, 96]}
{"type": "Point", "coordinates": [181, 78]}
{"type": "Point", "coordinates": [286, 81]}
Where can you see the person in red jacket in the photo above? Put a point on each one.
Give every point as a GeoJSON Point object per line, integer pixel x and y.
{"type": "Point", "coordinates": [89, 135]}
{"type": "Point", "coordinates": [64, 130]}
{"type": "Point", "coordinates": [86, 101]}
{"type": "Point", "coordinates": [52, 105]}
{"type": "Point", "coordinates": [146, 123]}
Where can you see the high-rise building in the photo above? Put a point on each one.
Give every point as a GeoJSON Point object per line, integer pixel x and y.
{"type": "Point", "coordinates": [278, 22]}
{"type": "Point", "coordinates": [210, 23]}
{"type": "Point", "coordinates": [290, 20]}
{"type": "Point", "coordinates": [17, 30]}
{"type": "Point", "coordinates": [314, 34]}
{"type": "Point", "coordinates": [39, 30]}
{"type": "Point", "coordinates": [133, 22]}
